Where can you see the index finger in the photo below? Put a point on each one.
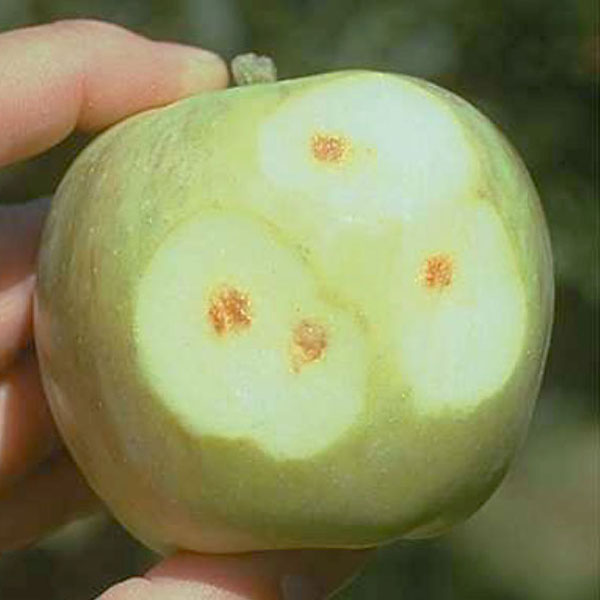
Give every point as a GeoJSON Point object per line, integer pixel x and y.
{"type": "Point", "coordinates": [86, 75]}
{"type": "Point", "coordinates": [66, 75]}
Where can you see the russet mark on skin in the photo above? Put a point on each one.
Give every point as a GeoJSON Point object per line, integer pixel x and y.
{"type": "Point", "coordinates": [437, 272]}
{"type": "Point", "coordinates": [329, 148]}
{"type": "Point", "coordinates": [309, 343]}
{"type": "Point", "coordinates": [229, 311]}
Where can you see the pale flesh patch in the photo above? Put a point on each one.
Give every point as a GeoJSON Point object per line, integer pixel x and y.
{"type": "Point", "coordinates": [236, 341]}
{"type": "Point", "coordinates": [332, 143]}
{"type": "Point", "coordinates": [460, 309]}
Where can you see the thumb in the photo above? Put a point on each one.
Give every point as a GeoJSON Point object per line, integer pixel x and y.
{"type": "Point", "coordinates": [285, 575]}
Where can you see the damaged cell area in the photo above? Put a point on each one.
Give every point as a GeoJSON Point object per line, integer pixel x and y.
{"type": "Point", "coordinates": [229, 311]}
{"type": "Point", "coordinates": [437, 272]}
{"type": "Point", "coordinates": [329, 148]}
{"type": "Point", "coordinates": [309, 343]}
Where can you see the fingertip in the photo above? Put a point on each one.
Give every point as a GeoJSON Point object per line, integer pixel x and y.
{"type": "Point", "coordinates": [201, 70]}
{"type": "Point", "coordinates": [27, 432]}
{"type": "Point", "coordinates": [134, 588]}
{"type": "Point", "coordinates": [88, 75]}
{"type": "Point", "coordinates": [15, 319]}
{"type": "Point", "coordinates": [287, 575]}
{"type": "Point", "coordinates": [20, 230]}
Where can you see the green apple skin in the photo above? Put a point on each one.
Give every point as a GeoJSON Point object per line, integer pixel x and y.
{"type": "Point", "coordinates": [386, 216]}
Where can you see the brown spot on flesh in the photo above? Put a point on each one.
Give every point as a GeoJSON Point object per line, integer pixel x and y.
{"type": "Point", "coordinates": [438, 271]}
{"type": "Point", "coordinates": [309, 343]}
{"type": "Point", "coordinates": [329, 148]}
{"type": "Point", "coordinates": [229, 311]}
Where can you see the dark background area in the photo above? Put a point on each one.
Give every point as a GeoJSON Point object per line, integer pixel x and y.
{"type": "Point", "coordinates": [530, 65]}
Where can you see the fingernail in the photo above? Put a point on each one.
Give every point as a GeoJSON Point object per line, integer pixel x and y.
{"type": "Point", "coordinates": [299, 587]}
{"type": "Point", "coordinates": [205, 71]}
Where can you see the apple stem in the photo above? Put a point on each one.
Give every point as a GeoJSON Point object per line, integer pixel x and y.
{"type": "Point", "coordinates": [251, 68]}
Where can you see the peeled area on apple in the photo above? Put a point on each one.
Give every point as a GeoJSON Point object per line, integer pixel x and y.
{"type": "Point", "coordinates": [369, 143]}
{"type": "Point", "coordinates": [381, 149]}
{"type": "Point", "coordinates": [460, 308]}
{"type": "Point", "coordinates": [237, 340]}
{"type": "Point", "coordinates": [240, 339]}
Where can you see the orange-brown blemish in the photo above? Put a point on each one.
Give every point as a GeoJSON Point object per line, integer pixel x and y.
{"type": "Point", "coordinates": [438, 271]}
{"type": "Point", "coordinates": [329, 148]}
{"type": "Point", "coordinates": [229, 311]}
{"type": "Point", "coordinates": [309, 343]}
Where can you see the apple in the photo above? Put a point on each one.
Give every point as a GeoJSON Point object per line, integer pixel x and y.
{"type": "Point", "coordinates": [307, 313]}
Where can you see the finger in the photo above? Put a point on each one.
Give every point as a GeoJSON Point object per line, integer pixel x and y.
{"type": "Point", "coordinates": [87, 75]}
{"type": "Point", "coordinates": [20, 228]}
{"type": "Point", "coordinates": [27, 432]}
{"type": "Point", "coordinates": [54, 495]}
{"type": "Point", "coordinates": [298, 574]}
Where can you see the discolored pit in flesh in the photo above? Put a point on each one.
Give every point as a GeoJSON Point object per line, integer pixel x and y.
{"type": "Point", "coordinates": [459, 284]}
{"type": "Point", "coordinates": [329, 148]}
{"type": "Point", "coordinates": [309, 343]}
{"type": "Point", "coordinates": [437, 272]}
{"type": "Point", "coordinates": [229, 311]}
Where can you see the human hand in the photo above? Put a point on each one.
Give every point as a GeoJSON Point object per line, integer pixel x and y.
{"type": "Point", "coordinates": [87, 75]}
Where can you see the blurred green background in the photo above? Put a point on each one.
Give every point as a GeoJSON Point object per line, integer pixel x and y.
{"type": "Point", "coordinates": [532, 66]}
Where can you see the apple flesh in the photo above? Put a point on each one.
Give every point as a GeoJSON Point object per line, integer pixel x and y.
{"type": "Point", "coordinates": [305, 314]}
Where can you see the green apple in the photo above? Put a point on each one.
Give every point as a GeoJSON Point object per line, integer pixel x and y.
{"type": "Point", "coordinates": [311, 313]}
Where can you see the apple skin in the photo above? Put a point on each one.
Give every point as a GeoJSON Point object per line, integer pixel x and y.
{"type": "Point", "coordinates": [436, 421]}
